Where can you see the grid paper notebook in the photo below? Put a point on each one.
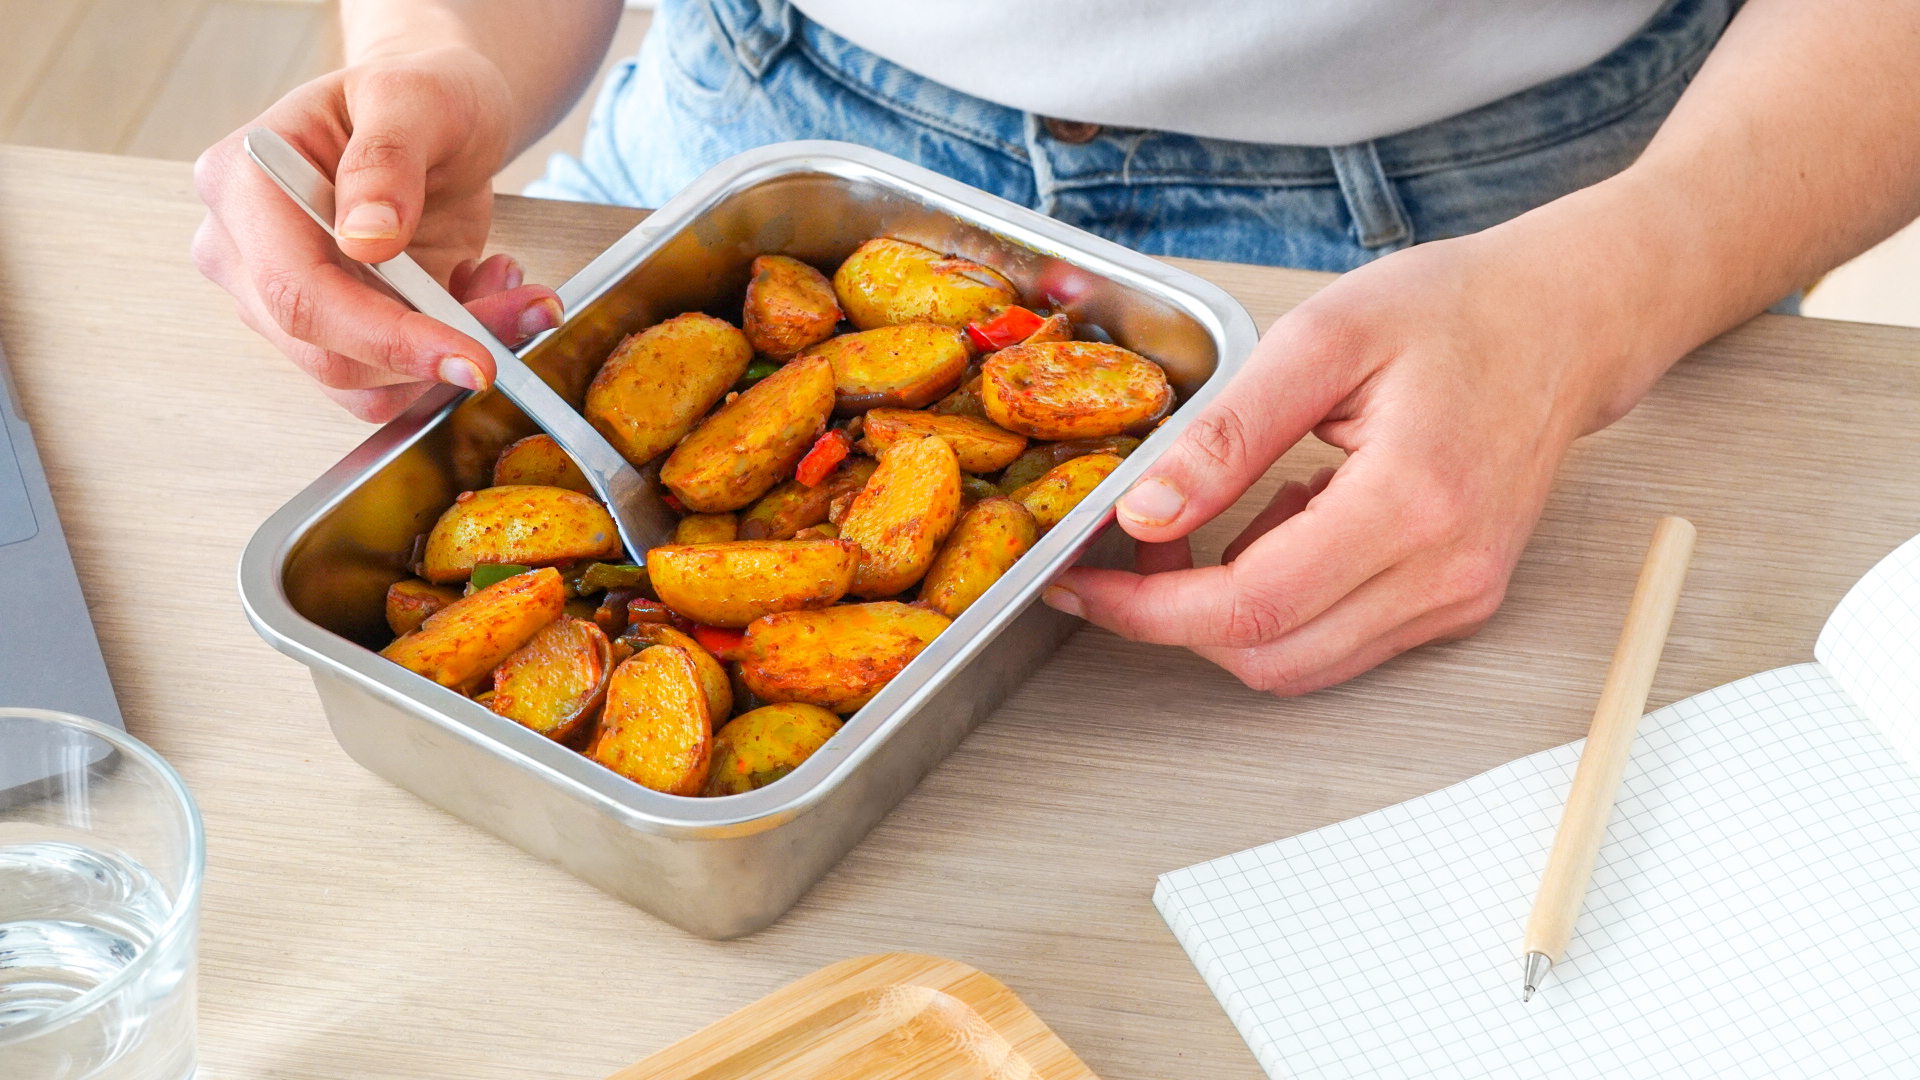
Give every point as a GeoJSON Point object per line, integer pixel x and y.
{"type": "Point", "coordinates": [1755, 910]}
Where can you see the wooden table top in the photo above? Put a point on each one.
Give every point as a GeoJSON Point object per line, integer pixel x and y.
{"type": "Point", "coordinates": [350, 929]}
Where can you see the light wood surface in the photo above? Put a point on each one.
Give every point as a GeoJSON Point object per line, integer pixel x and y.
{"type": "Point", "coordinates": [1623, 700]}
{"type": "Point", "coordinates": [895, 1016]}
{"type": "Point", "coordinates": [351, 930]}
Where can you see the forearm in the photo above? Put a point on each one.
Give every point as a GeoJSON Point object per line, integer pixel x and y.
{"type": "Point", "coordinates": [547, 50]}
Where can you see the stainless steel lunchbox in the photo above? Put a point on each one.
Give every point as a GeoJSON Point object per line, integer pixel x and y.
{"type": "Point", "coordinates": [314, 576]}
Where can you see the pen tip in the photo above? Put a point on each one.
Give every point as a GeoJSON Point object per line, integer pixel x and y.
{"type": "Point", "coordinates": [1534, 973]}
{"type": "Point", "coordinates": [1526, 993]}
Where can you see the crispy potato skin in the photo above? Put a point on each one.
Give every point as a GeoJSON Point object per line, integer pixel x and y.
{"type": "Point", "coordinates": [468, 638]}
{"type": "Point", "coordinates": [538, 460]}
{"type": "Point", "coordinates": [713, 677]}
{"type": "Point", "coordinates": [793, 506]}
{"type": "Point", "coordinates": [756, 748]}
{"type": "Point", "coordinates": [1057, 327]}
{"type": "Point", "coordinates": [554, 683]}
{"type": "Point", "coordinates": [410, 601]}
{"type": "Point", "coordinates": [980, 445]}
{"type": "Point", "coordinates": [659, 382]}
{"type": "Point", "coordinates": [706, 529]}
{"type": "Point", "coordinates": [964, 401]}
{"type": "Point", "coordinates": [838, 657]}
{"type": "Point", "coordinates": [986, 543]}
{"type": "Point", "coordinates": [526, 524]}
{"type": "Point", "coordinates": [732, 584]}
{"type": "Point", "coordinates": [655, 729]}
{"type": "Point", "coordinates": [885, 282]}
{"type": "Point", "coordinates": [906, 366]}
{"type": "Point", "coordinates": [790, 306]}
{"type": "Point", "coordinates": [1049, 498]}
{"type": "Point", "coordinates": [902, 515]}
{"type": "Point", "coordinates": [1073, 390]}
{"type": "Point", "coordinates": [1039, 458]}
{"type": "Point", "coordinates": [753, 442]}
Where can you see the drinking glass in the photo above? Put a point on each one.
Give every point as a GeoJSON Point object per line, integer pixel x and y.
{"type": "Point", "coordinates": [101, 855]}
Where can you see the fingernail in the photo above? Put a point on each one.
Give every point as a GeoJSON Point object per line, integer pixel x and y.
{"type": "Point", "coordinates": [1061, 598]}
{"type": "Point", "coordinates": [539, 317]}
{"type": "Point", "coordinates": [461, 371]}
{"type": "Point", "coordinates": [371, 221]}
{"type": "Point", "coordinates": [515, 275]}
{"type": "Point", "coordinates": [1152, 501]}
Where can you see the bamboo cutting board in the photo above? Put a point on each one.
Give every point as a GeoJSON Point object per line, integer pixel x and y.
{"type": "Point", "coordinates": [893, 1016]}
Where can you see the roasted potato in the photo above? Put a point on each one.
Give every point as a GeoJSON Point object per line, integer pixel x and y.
{"type": "Point", "coordinates": [706, 529]}
{"type": "Point", "coordinates": [902, 515]}
{"type": "Point", "coordinates": [1055, 328]}
{"type": "Point", "coordinates": [754, 441]}
{"type": "Point", "coordinates": [838, 657]}
{"type": "Point", "coordinates": [556, 682]}
{"type": "Point", "coordinates": [463, 641]}
{"type": "Point", "coordinates": [410, 601]}
{"type": "Point", "coordinates": [907, 365]}
{"type": "Point", "coordinates": [1049, 498]}
{"type": "Point", "coordinates": [793, 506]}
{"type": "Point", "coordinates": [980, 445]}
{"type": "Point", "coordinates": [713, 677]}
{"type": "Point", "coordinates": [538, 460]}
{"type": "Point", "coordinates": [790, 306]}
{"type": "Point", "coordinates": [735, 583]}
{"type": "Point", "coordinates": [525, 524]}
{"type": "Point", "coordinates": [662, 380]}
{"type": "Point", "coordinates": [1037, 459]}
{"type": "Point", "coordinates": [885, 282]}
{"type": "Point", "coordinates": [989, 539]}
{"type": "Point", "coordinates": [962, 402]}
{"type": "Point", "coordinates": [756, 748]}
{"type": "Point", "coordinates": [656, 730]}
{"type": "Point", "coordinates": [1073, 390]}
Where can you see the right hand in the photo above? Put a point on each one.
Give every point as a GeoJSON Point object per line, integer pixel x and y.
{"type": "Point", "coordinates": [413, 143]}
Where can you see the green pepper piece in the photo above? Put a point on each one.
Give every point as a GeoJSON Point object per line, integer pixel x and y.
{"type": "Point", "coordinates": [487, 574]}
{"type": "Point", "coordinates": [756, 371]}
{"type": "Point", "coordinates": [613, 576]}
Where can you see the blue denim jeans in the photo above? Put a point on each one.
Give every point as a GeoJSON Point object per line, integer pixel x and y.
{"type": "Point", "coordinates": [715, 77]}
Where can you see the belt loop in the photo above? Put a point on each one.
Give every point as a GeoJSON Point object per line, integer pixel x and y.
{"type": "Point", "coordinates": [765, 27]}
{"type": "Point", "coordinates": [1045, 194]}
{"type": "Point", "coordinates": [1378, 217]}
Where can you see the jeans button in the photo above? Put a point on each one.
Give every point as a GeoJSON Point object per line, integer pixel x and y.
{"type": "Point", "coordinates": [1070, 131]}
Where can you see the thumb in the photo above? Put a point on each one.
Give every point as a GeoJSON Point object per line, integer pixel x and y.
{"type": "Point", "coordinates": [380, 186]}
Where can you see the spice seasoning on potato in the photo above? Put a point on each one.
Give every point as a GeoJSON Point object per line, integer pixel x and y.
{"type": "Point", "coordinates": [756, 748]}
{"type": "Point", "coordinates": [660, 381]}
{"type": "Point", "coordinates": [981, 445]}
{"type": "Point", "coordinates": [1040, 457]}
{"type": "Point", "coordinates": [655, 729]}
{"type": "Point", "coordinates": [410, 601]}
{"type": "Point", "coordinates": [784, 511]}
{"type": "Point", "coordinates": [713, 677]}
{"type": "Point", "coordinates": [902, 515]}
{"type": "Point", "coordinates": [526, 524]}
{"type": "Point", "coordinates": [838, 657]}
{"type": "Point", "coordinates": [903, 366]}
{"type": "Point", "coordinates": [790, 306]}
{"type": "Point", "coordinates": [465, 640]}
{"type": "Point", "coordinates": [556, 681]}
{"type": "Point", "coordinates": [754, 441]}
{"type": "Point", "coordinates": [885, 282]}
{"type": "Point", "coordinates": [706, 529]}
{"type": "Point", "coordinates": [735, 583]}
{"type": "Point", "coordinates": [986, 543]}
{"type": "Point", "coordinates": [1049, 498]}
{"type": "Point", "coordinates": [1055, 328]}
{"type": "Point", "coordinates": [537, 459]}
{"type": "Point", "coordinates": [1073, 390]}
{"type": "Point", "coordinates": [962, 402]}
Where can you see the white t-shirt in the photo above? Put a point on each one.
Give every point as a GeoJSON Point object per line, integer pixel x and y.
{"type": "Point", "coordinates": [1305, 72]}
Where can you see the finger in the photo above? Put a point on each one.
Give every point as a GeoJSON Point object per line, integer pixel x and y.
{"type": "Point", "coordinates": [1292, 498]}
{"type": "Point", "coordinates": [380, 405]}
{"type": "Point", "coordinates": [518, 314]}
{"type": "Point", "coordinates": [499, 273]}
{"type": "Point", "coordinates": [1432, 628]}
{"type": "Point", "coordinates": [381, 180]}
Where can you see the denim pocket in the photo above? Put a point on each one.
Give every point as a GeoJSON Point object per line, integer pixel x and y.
{"type": "Point", "coordinates": [704, 77]}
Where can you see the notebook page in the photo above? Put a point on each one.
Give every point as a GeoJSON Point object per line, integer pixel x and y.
{"type": "Point", "coordinates": [1755, 912]}
{"type": "Point", "coordinates": [1871, 647]}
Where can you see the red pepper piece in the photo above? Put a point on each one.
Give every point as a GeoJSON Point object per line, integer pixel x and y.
{"type": "Point", "coordinates": [829, 449]}
{"type": "Point", "coordinates": [1010, 326]}
{"type": "Point", "coordinates": [673, 503]}
{"type": "Point", "coordinates": [721, 641]}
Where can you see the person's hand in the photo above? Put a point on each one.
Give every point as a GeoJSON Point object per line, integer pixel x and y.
{"type": "Point", "coordinates": [412, 143]}
{"type": "Point", "coordinates": [1454, 385]}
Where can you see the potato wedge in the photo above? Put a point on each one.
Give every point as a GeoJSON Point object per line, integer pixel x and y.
{"type": "Point", "coordinates": [1038, 458]}
{"type": "Point", "coordinates": [410, 601]}
{"type": "Point", "coordinates": [902, 515]}
{"type": "Point", "coordinates": [706, 529]}
{"type": "Point", "coordinates": [1049, 498]}
{"type": "Point", "coordinates": [836, 658]}
{"type": "Point", "coordinates": [1073, 390]}
{"type": "Point", "coordinates": [556, 682]}
{"type": "Point", "coordinates": [733, 584]}
{"type": "Point", "coordinates": [754, 441]}
{"type": "Point", "coordinates": [538, 460]}
{"type": "Point", "coordinates": [962, 402]}
{"type": "Point", "coordinates": [656, 730]}
{"type": "Point", "coordinates": [986, 543]}
{"type": "Point", "coordinates": [1056, 327]}
{"type": "Point", "coordinates": [903, 366]}
{"type": "Point", "coordinates": [980, 445]}
{"type": "Point", "coordinates": [463, 641]}
{"type": "Point", "coordinates": [526, 524]}
{"type": "Point", "coordinates": [659, 382]}
{"type": "Point", "coordinates": [713, 677]}
{"type": "Point", "coordinates": [790, 306]}
{"type": "Point", "coordinates": [886, 282]}
{"type": "Point", "coordinates": [793, 506]}
{"type": "Point", "coordinates": [756, 748]}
